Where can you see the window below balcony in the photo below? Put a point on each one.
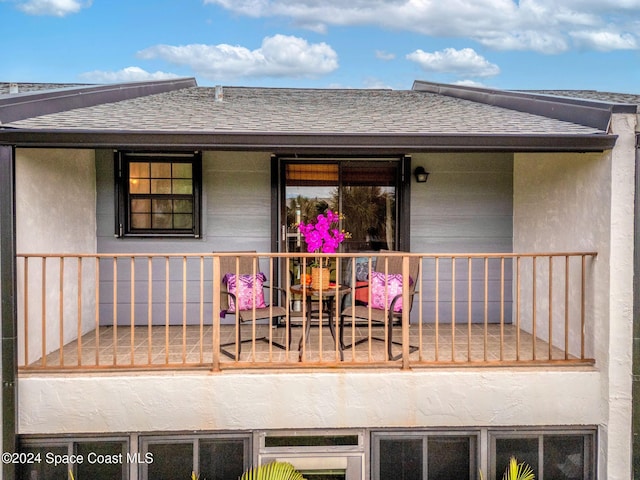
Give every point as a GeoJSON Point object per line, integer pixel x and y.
{"type": "Point", "coordinates": [159, 194]}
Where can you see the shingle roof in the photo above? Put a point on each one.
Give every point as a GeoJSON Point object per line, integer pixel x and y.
{"type": "Point", "coordinates": [284, 110]}
{"type": "Point", "coordinates": [5, 87]}
{"type": "Point", "coordinates": [608, 97]}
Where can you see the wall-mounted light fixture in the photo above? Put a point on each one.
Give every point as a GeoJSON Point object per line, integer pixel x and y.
{"type": "Point", "coordinates": [421, 174]}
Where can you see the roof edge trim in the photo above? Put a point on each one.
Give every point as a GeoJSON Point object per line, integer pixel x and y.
{"type": "Point", "coordinates": [34, 104]}
{"type": "Point", "coordinates": [298, 143]}
{"type": "Point", "coordinates": [590, 113]}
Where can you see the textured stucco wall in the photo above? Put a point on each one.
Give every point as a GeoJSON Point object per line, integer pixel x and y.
{"type": "Point", "coordinates": [55, 213]}
{"type": "Point", "coordinates": [584, 202]}
{"type": "Point", "coordinates": [447, 398]}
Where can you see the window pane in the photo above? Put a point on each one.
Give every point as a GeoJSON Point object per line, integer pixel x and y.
{"type": "Point", "coordinates": [141, 205]}
{"type": "Point", "coordinates": [221, 459]}
{"type": "Point", "coordinates": [162, 206]}
{"type": "Point", "coordinates": [160, 170]}
{"type": "Point", "coordinates": [109, 460]}
{"type": "Point", "coordinates": [523, 449]}
{"type": "Point", "coordinates": [161, 221]}
{"type": "Point", "coordinates": [401, 459]}
{"type": "Point", "coordinates": [160, 187]}
{"type": "Point", "coordinates": [564, 457]}
{"type": "Point", "coordinates": [138, 186]}
{"type": "Point", "coordinates": [170, 461]}
{"type": "Point", "coordinates": [183, 206]}
{"type": "Point", "coordinates": [182, 187]}
{"type": "Point", "coordinates": [140, 220]}
{"type": "Point", "coordinates": [182, 221]}
{"type": "Point", "coordinates": [182, 170]}
{"type": "Point", "coordinates": [44, 470]}
{"type": "Point", "coordinates": [448, 457]}
{"type": "Point", "coordinates": [139, 170]}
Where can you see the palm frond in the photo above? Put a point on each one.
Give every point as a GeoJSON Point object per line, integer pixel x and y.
{"type": "Point", "coordinates": [518, 471]}
{"type": "Point", "coordinates": [273, 471]}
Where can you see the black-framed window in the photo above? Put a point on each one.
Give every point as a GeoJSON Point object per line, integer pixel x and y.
{"type": "Point", "coordinates": [555, 454]}
{"type": "Point", "coordinates": [424, 456]}
{"type": "Point", "coordinates": [95, 458]}
{"type": "Point", "coordinates": [158, 194]}
{"type": "Point", "coordinates": [217, 457]}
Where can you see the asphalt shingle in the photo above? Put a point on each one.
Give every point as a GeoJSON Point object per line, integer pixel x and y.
{"type": "Point", "coordinates": [323, 111]}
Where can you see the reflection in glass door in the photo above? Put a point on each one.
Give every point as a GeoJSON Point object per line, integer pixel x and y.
{"type": "Point", "coordinates": [363, 191]}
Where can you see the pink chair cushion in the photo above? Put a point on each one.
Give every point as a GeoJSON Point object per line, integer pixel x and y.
{"type": "Point", "coordinates": [244, 290]}
{"type": "Point", "coordinates": [385, 287]}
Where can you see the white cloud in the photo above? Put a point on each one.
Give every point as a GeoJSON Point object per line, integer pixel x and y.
{"type": "Point", "coordinates": [57, 8]}
{"type": "Point", "coordinates": [128, 74]}
{"type": "Point", "coordinates": [278, 56]}
{"type": "Point", "coordinates": [382, 55]}
{"type": "Point", "coordinates": [465, 62]}
{"type": "Point", "coordinates": [605, 41]}
{"type": "Point", "coordinates": [538, 25]}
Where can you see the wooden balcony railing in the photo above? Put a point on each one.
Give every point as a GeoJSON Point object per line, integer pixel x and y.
{"type": "Point", "coordinates": [150, 311]}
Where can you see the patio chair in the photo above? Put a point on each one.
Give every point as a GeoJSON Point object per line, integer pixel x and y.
{"type": "Point", "coordinates": [387, 271]}
{"type": "Point", "coordinates": [244, 286]}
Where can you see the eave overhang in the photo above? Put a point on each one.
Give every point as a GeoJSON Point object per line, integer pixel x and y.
{"type": "Point", "coordinates": [307, 142]}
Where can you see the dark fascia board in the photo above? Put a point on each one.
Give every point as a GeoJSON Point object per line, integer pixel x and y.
{"type": "Point", "coordinates": [591, 113]}
{"type": "Point", "coordinates": [33, 104]}
{"type": "Point", "coordinates": [306, 143]}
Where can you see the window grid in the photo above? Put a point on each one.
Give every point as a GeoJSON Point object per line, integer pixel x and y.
{"type": "Point", "coordinates": [159, 194]}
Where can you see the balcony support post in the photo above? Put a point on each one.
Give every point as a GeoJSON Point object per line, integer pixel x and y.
{"type": "Point", "coordinates": [9, 304]}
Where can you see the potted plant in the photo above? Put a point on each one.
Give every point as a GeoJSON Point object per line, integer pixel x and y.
{"type": "Point", "coordinates": [323, 236]}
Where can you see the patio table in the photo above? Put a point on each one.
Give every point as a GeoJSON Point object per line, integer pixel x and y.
{"type": "Point", "coordinates": [328, 297]}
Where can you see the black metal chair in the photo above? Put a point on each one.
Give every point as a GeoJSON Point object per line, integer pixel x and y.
{"type": "Point", "coordinates": [247, 264]}
{"type": "Point", "coordinates": [386, 317]}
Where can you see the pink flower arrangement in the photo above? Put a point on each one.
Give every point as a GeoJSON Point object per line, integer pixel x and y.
{"type": "Point", "coordinates": [324, 236]}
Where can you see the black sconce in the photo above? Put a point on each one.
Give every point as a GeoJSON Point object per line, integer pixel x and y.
{"type": "Point", "coordinates": [421, 174]}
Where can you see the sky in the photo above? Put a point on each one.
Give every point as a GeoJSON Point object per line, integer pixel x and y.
{"type": "Point", "coordinates": [505, 44]}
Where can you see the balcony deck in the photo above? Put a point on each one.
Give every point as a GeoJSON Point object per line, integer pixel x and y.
{"type": "Point", "coordinates": [174, 347]}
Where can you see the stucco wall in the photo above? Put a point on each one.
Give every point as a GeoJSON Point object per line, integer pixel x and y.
{"type": "Point", "coordinates": [584, 202]}
{"type": "Point", "coordinates": [239, 401]}
{"type": "Point", "coordinates": [55, 213]}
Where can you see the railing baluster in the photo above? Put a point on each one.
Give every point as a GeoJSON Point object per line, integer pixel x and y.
{"type": "Point", "coordinates": [184, 310]}
{"type": "Point", "coordinates": [437, 319]}
{"type": "Point", "coordinates": [469, 305]}
{"type": "Point", "coordinates": [534, 306]}
{"type": "Point", "coordinates": [79, 332]}
{"type": "Point", "coordinates": [115, 310]}
{"type": "Point", "coordinates": [453, 308]}
{"type": "Point", "coordinates": [132, 311]}
{"type": "Point", "coordinates": [486, 309]}
{"type": "Point", "coordinates": [44, 311]}
{"type": "Point", "coordinates": [150, 309]}
{"type": "Point", "coordinates": [550, 354]}
{"type": "Point", "coordinates": [26, 311]}
{"type": "Point", "coordinates": [97, 309]}
{"type": "Point", "coordinates": [502, 300]}
{"type": "Point", "coordinates": [566, 307]}
{"type": "Point", "coordinates": [61, 310]}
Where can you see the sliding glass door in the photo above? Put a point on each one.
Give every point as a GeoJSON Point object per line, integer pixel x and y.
{"type": "Point", "coordinates": [365, 191]}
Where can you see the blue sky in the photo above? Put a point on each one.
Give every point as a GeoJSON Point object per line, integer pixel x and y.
{"type": "Point", "coordinates": [526, 44]}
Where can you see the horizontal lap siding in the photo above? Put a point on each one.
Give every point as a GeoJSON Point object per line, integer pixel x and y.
{"type": "Point", "coordinates": [466, 206]}
{"type": "Point", "coordinates": [236, 212]}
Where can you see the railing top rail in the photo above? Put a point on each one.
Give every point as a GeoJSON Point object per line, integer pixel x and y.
{"type": "Point", "coordinates": [308, 255]}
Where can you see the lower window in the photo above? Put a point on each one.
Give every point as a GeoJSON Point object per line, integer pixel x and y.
{"type": "Point", "coordinates": [558, 455]}
{"type": "Point", "coordinates": [98, 459]}
{"type": "Point", "coordinates": [211, 458]}
{"type": "Point", "coordinates": [421, 455]}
